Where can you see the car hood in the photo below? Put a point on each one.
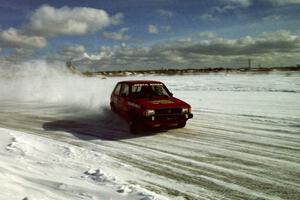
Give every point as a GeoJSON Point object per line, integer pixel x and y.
{"type": "Point", "coordinates": [160, 103]}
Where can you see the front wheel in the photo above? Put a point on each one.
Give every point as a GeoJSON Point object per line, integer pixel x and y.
{"type": "Point", "coordinates": [181, 125]}
{"type": "Point", "coordinates": [134, 125]}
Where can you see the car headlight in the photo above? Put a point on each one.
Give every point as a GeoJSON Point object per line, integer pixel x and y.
{"type": "Point", "coordinates": [149, 112]}
{"type": "Point", "coordinates": [185, 110]}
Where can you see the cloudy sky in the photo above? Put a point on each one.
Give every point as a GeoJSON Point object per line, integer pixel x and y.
{"type": "Point", "coordinates": [146, 34]}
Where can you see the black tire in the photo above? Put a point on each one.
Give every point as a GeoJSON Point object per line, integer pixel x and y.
{"type": "Point", "coordinates": [181, 125]}
{"type": "Point", "coordinates": [134, 129]}
{"type": "Point", "coordinates": [134, 125]}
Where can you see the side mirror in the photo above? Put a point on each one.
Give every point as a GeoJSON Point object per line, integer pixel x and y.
{"type": "Point", "coordinates": [123, 95]}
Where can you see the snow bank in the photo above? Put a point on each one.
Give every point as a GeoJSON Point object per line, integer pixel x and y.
{"type": "Point", "coordinates": [34, 168]}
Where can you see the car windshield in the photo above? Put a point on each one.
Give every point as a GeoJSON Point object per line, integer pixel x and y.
{"type": "Point", "coordinates": [149, 90]}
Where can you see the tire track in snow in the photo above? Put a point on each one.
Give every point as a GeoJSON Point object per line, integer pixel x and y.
{"type": "Point", "coordinates": [166, 155]}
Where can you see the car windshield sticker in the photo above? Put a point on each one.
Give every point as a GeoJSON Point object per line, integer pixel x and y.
{"type": "Point", "coordinates": [155, 84]}
{"type": "Point", "coordinates": [146, 84]}
{"type": "Point", "coordinates": [162, 102]}
{"type": "Point", "coordinates": [141, 84]}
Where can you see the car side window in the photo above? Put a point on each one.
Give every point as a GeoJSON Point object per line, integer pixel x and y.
{"type": "Point", "coordinates": [124, 90]}
{"type": "Point", "coordinates": [117, 89]}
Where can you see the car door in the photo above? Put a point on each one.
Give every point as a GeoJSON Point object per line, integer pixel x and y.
{"type": "Point", "coordinates": [123, 99]}
{"type": "Point", "coordinates": [115, 96]}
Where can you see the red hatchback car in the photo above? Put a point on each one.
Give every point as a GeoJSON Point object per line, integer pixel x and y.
{"type": "Point", "coordinates": [149, 104]}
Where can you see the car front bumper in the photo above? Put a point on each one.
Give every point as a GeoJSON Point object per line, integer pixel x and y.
{"type": "Point", "coordinates": [166, 120]}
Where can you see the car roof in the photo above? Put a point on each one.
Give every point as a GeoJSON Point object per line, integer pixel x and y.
{"type": "Point", "coordinates": [139, 81]}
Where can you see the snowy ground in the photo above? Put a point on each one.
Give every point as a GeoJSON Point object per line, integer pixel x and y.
{"type": "Point", "coordinates": [58, 140]}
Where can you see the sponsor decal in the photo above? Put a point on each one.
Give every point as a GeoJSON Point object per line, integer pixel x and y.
{"type": "Point", "coordinates": [141, 84]}
{"type": "Point", "coordinates": [165, 101]}
{"type": "Point", "coordinates": [146, 84]}
{"type": "Point", "coordinates": [154, 84]}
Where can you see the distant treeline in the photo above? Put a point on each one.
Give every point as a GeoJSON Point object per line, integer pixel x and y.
{"type": "Point", "coordinates": [180, 71]}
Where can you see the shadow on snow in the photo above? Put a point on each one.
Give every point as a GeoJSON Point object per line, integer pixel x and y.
{"type": "Point", "coordinates": [106, 125]}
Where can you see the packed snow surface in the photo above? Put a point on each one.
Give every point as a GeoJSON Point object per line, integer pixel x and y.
{"type": "Point", "coordinates": [59, 140]}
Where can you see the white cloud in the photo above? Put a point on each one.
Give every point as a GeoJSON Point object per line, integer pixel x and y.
{"type": "Point", "coordinates": [283, 2]}
{"type": "Point", "coordinates": [153, 29]}
{"type": "Point", "coordinates": [117, 19]}
{"type": "Point", "coordinates": [238, 3]}
{"type": "Point", "coordinates": [92, 56]}
{"type": "Point", "coordinates": [13, 38]}
{"type": "Point", "coordinates": [272, 18]}
{"type": "Point", "coordinates": [281, 41]}
{"type": "Point", "coordinates": [210, 51]}
{"type": "Point", "coordinates": [207, 17]}
{"type": "Point", "coordinates": [186, 40]}
{"type": "Point", "coordinates": [48, 20]}
{"type": "Point", "coordinates": [73, 49]}
{"type": "Point", "coordinates": [229, 5]}
{"type": "Point", "coordinates": [165, 13]}
{"type": "Point", "coordinates": [105, 53]}
{"type": "Point", "coordinates": [119, 35]}
{"type": "Point", "coordinates": [208, 35]}
{"type": "Point", "coordinates": [19, 55]}
{"type": "Point", "coordinates": [224, 6]}
{"type": "Point", "coordinates": [280, 36]}
{"type": "Point", "coordinates": [71, 52]}
{"type": "Point", "coordinates": [166, 28]}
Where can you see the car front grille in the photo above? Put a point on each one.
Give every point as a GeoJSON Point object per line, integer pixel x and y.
{"type": "Point", "coordinates": [168, 111]}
